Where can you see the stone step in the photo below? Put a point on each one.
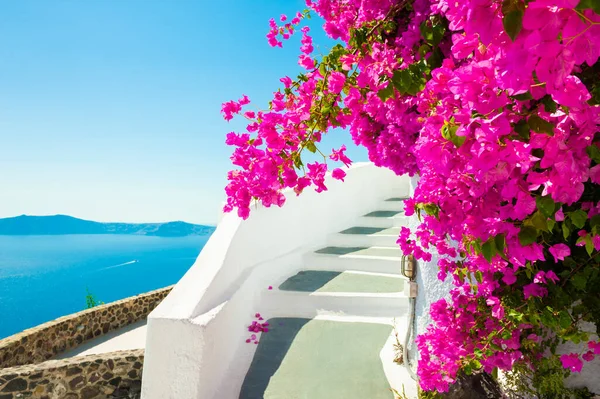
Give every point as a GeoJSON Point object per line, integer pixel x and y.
{"type": "Point", "coordinates": [369, 220]}
{"type": "Point", "coordinates": [397, 206]}
{"type": "Point", "coordinates": [312, 304]}
{"type": "Point", "coordinates": [365, 237]}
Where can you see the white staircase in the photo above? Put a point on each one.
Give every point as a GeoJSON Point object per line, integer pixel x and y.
{"type": "Point", "coordinates": [354, 279]}
{"type": "Point", "coordinates": [323, 270]}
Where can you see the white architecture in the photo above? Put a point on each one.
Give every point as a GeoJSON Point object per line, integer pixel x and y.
{"type": "Point", "coordinates": [196, 340]}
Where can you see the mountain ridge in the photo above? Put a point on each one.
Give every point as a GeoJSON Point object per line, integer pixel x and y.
{"type": "Point", "coordinates": [64, 224]}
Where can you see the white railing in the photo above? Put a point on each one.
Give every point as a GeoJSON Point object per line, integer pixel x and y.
{"type": "Point", "coordinates": [196, 333]}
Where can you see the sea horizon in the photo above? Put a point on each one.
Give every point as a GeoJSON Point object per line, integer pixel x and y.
{"type": "Point", "coordinates": [43, 277]}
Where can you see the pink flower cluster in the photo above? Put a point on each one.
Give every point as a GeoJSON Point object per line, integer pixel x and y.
{"type": "Point", "coordinates": [574, 362]}
{"type": "Point", "coordinates": [502, 123]}
{"type": "Point", "coordinates": [258, 326]}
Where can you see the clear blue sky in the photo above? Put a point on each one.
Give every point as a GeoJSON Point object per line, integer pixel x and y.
{"type": "Point", "coordinates": [109, 109]}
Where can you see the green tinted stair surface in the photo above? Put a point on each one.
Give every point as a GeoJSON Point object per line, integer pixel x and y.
{"type": "Point", "coordinates": [362, 251]}
{"type": "Point", "coordinates": [383, 214]}
{"type": "Point", "coordinates": [327, 281]}
{"type": "Point", "coordinates": [318, 359]}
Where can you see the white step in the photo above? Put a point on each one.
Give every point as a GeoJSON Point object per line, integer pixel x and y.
{"type": "Point", "coordinates": [340, 263]}
{"type": "Point", "coordinates": [303, 304]}
{"type": "Point", "coordinates": [363, 240]}
{"type": "Point", "coordinates": [373, 221]}
{"type": "Point", "coordinates": [397, 206]}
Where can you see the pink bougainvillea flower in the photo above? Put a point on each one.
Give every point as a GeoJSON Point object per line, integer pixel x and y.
{"type": "Point", "coordinates": [533, 337]}
{"type": "Point", "coordinates": [306, 62]}
{"type": "Point", "coordinates": [336, 82]}
{"type": "Point", "coordinates": [230, 108]}
{"type": "Point", "coordinates": [559, 252]}
{"type": "Point", "coordinates": [596, 242]}
{"type": "Point", "coordinates": [572, 362]}
{"type": "Point", "coordinates": [287, 82]}
{"type": "Point", "coordinates": [338, 174]}
{"type": "Point", "coordinates": [338, 155]}
{"type": "Point", "coordinates": [594, 346]}
{"type": "Point", "coordinates": [534, 290]}
{"type": "Point", "coordinates": [550, 275]}
{"type": "Point", "coordinates": [588, 356]}
{"type": "Point", "coordinates": [509, 276]}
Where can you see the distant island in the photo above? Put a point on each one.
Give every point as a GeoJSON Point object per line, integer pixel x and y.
{"type": "Point", "coordinates": [62, 224]}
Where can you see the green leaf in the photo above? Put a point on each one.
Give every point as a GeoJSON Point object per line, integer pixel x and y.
{"type": "Point", "coordinates": [589, 245]}
{"type": "Point", "coordinates": [578, 218]}
{"type": "Point", "coordinates": [323, 69]}
{"type": "Point", "coordinates": [540, 125]}
{"type": "Point", "coordinates": [310, 146]}
{"type": "Point", "coordinates": [593, 4]}
{"type": "Point", "coordinates": [524, 96]}
{"type": "Point", "coordinates": [432, 210]}
{"type": "Point", "coordinates": [564, 319]}
{"type": "Point", "coordinates": [488, 249]}
{"type": "Point", "coordinates": [574, 337]}
{"type": "Point", "coordinates": [436, 58]}
{"type": "Point", "coordinates": [545, 205]}
{"type": "Point", "coordinates": [411, 80]}
{"type": "Point", "coordinates": [478, 276]}
{"type": "Point", "coordinates": [424, 49]}
{"type": "Point", "coordinates": [523, 129]}
{"type": "Point", "coordinates": [468, 369]}
{"type": "Point", "coordinates": [433, 34]}
{"type": "Point", "coordinates": [386, 93]}
{"type": "Point", "coordinates": [579, 281]}
{"type": "Point", "coordinates": [549, 104]}
{"type": "Point", "coordinates": [527, 235]}
{"type": "Point", "coordinates": [595, 221]}
{"type": "Point", "coordinates": [566, 231]}
{"type": "Point", "coordinates": [297, 161]}
{"type": "Point", "coordinates": [449, 133]}
{"type": "Point", "coordinates": [500, 241]}
{"type": "Point", "coordinates": [513, 23]}
{"type": "Point", "coordinates": [539, 221]}
{"type": "Point", "coordinates": [593, 152]}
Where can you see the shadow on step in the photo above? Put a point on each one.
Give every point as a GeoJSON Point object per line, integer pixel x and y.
{"type": "Point", "coordinates": [330, 281]}
{"type": "Point", "coordinates": [382, 214]}
{"type": "Point", "coordinates": [318, 359]}
{"type": "Point", "coordinates": [269, 355]}
{"type": "Point", "coordinates": [363, 230]}
{"type": "Point", "coordinates": [340, 250]}
{"type": "Point", "coordinates": [308, 280]}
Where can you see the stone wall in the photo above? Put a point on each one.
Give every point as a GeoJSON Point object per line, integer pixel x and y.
{"type": "Point", "coordinates": [45, 341]}
{"type": "Point", "coordinates": [108, 375]}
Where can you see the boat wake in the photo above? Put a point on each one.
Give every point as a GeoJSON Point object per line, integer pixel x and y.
{"type": "Point", "coordinates": [121, 264]}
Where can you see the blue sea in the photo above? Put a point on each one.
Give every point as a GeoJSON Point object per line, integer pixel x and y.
{"type": "Point", "coordinates": [45, 277]}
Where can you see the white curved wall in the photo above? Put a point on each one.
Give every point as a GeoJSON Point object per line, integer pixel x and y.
{"type": "Point", "coordinates": [195, 342]}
